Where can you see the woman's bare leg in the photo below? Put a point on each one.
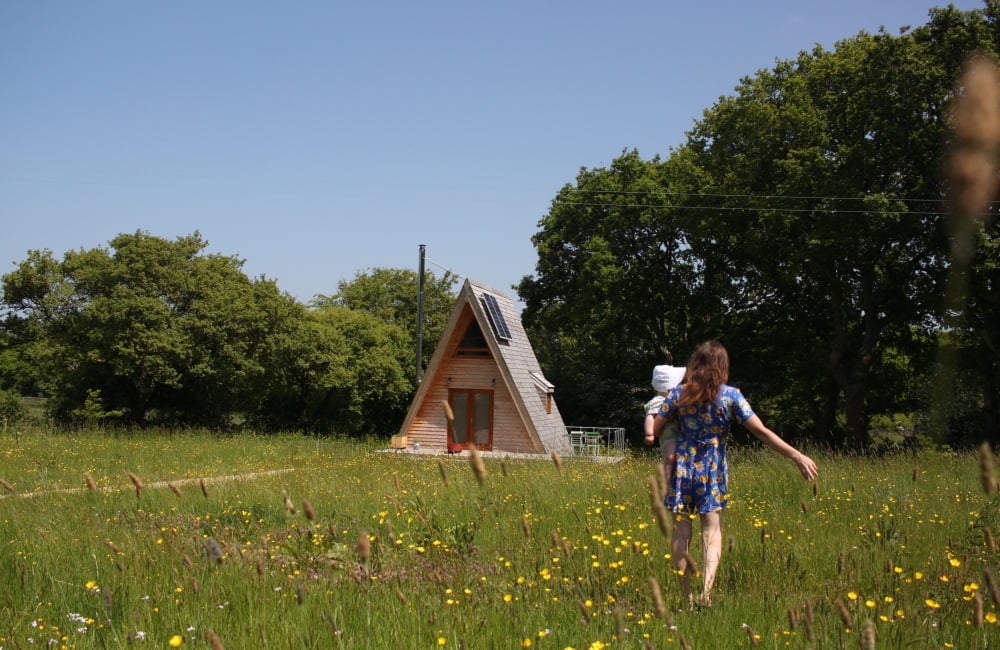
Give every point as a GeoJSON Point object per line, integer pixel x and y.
{"type": "Point", "coordinates": [680, 541]}
{"type": "Point", "coordinates": [669, 460]}
{"type": "Point", "coordinates": [711, 549]}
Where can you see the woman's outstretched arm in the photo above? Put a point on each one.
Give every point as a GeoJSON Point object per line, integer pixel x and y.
{"type": "Point", "coordinates": [805, 464]}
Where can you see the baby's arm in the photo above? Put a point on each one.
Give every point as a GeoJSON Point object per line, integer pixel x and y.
{"type": "Point", "coordinates": [648, 429]}
{"type": "Point", "coordinates": [651, 426]}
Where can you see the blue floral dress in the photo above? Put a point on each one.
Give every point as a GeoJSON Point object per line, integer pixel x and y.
{"type": "Point", "coordinates": [701, 474]}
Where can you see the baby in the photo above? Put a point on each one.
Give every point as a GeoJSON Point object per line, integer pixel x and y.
{"type": "Point", "coordinates": [665, 377]}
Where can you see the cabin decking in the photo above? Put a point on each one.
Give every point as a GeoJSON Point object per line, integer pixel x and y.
{"type": "Point", "coordinates": [596, 441]}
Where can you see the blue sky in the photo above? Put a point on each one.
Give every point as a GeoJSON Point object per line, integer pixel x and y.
{"type": "Point", "coordinates": [316, 140]}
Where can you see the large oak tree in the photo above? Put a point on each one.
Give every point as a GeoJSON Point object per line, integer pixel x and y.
{"type": "Point", "coordinates": [802, 223]}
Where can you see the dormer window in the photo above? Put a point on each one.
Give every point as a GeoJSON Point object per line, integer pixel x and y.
{"type": "Point", "coordinates": [545, 387]}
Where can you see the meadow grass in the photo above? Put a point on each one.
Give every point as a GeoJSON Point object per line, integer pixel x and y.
{"type": "Point", "coordinates": [296, 542]}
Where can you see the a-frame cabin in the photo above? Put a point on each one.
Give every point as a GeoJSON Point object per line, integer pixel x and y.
{"type": "Point", "coordinates": [485, 369]}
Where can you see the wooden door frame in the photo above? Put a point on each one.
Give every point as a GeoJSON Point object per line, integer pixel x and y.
{"type": "Point", "coordinates": [470, 416]}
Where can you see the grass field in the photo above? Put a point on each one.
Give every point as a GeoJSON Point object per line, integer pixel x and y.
{"type": "Point", "coordinates": [195, 540]}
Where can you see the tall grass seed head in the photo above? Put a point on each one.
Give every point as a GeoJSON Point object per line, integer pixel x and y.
{"type": "Point", "coordinates": [476, 460]}
{"type": "Point", "coordinates": [448, 413]}
{"type": "Point", "coordinates": [364, 546]}
{"type": "Point", "coordinates": [976, 119]}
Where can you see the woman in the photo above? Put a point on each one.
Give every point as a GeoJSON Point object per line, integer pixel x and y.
{"type": "Point", "coordinates": [704, 407]}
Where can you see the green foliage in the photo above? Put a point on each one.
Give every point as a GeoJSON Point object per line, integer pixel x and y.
{"type": "Point", "coordinates": [93, 410]}
{"type": "Point", "coordinates": [11, 408]}
{"type": "Point", "coordinates": [160, 331]}
{"type": "Point", "coordinates": [802, 225]}
{"type": "Point", "coordinates": [391, 296]}
{"type": "Point", "coordinates": [342, 370]}
{"type": "Point", "coordinates": [615, 283]}
{"type": "Point", "coordinates": [154, 332]}
{"type": "Point", "coordinates": [978, 364]}
{"type": "Point", "coordinates": [15, 373]}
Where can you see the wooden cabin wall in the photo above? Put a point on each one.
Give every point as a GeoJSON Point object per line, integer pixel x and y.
{"type": "Point", "coordinates": [430, 427]}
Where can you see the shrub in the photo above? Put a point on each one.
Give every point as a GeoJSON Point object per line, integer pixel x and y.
{"type": "Point", "coordinates": [11, 408]}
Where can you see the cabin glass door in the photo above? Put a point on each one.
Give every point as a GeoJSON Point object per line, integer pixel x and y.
{"type": "Point", "coordinates": [473, 421]}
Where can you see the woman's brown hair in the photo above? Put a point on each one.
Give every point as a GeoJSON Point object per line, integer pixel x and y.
{"type": "Point", "coordinates": [707, 371]}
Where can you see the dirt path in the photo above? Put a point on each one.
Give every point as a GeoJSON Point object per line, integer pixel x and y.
{"type": "Point", "coordinates": [154, 485]}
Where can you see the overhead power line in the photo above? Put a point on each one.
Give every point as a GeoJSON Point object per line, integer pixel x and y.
{"type": "Point", "coordinates": [770, 203]}
{"type": "Point", "coordinates": [757, 196]}
{"type": "Point", "coordinates": [751, 208]}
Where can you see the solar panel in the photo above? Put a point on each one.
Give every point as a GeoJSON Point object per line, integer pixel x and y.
{"type": "Point", "coordinates": [496, 318]}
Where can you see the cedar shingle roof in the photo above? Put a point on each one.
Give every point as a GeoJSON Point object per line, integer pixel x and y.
{"type": "Point", "coordinates": [520, 369]}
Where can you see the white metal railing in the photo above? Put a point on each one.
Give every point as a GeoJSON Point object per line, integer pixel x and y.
{"type": "Point", "coordinates": [595, 441]}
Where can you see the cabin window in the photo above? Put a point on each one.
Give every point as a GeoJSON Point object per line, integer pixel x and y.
{"type": "Point", "coordinates": [473, 343]}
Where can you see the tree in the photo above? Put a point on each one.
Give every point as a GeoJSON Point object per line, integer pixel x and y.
{"type": "Point", "coordinates": [802, 222]}
{"type": "Point", "coordinates": [11, 409]}
{"type": "Point", "coordinates": [977, 385]}
{"type": "Point", "coordinates": [613, 286]}
{"type": "Point", "coordinates": [153, 331]}
{"type": "Point", "coordinates": [162, 332]}
{"type": "Point", "coordinates": [339, 370]}
{"type": "Point", "coordinates": [853, 252]}
{"type": "Point", "coordinates": [391, 296]}
{"type": "Point", "coordinates": [974, 412]}
{"type": "Point", "coordinates": [16, 374]}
